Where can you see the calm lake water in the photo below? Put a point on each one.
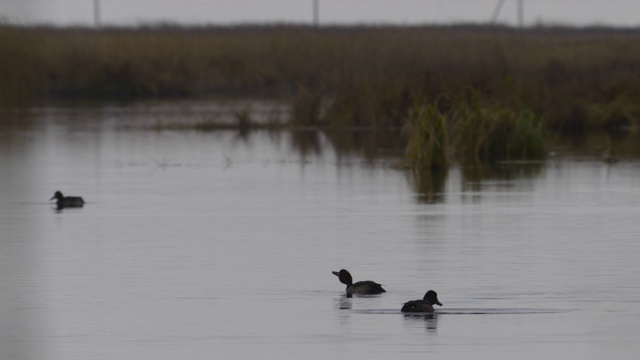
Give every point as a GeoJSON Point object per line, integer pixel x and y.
{"type": "Point", "coordinates": [220, 245]}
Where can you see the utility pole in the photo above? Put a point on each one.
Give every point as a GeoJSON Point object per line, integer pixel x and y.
{"type": "Point", "coordinates": [519, 14]}
{"type": "Point", "coordinates": [496, 11]}
{"type": "Point", "coordinates": [96, 13]}
{"type": "Point", "coordinates": [316, 13]}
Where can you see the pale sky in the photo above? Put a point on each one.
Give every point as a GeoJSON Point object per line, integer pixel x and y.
{"type": "Point", "coordinates": [132, 12]}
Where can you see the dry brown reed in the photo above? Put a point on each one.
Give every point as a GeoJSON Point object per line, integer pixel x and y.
{"type": "Point", "coordinates": [20, 66]}
{"type": "Point", "coordinates": [337, 76]}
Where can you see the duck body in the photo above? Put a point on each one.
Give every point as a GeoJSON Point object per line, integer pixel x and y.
{"type": "Point", "coordinates": [67, 201]}
{"type": "Point", "coordinates": [422, 306]}
{"type": "Point", "coordinates": [366, 287]}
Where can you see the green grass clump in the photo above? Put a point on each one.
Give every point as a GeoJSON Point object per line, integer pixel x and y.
{"type": "Point", "coordinates": [428, 145]}
{"type": "Point", "coordinates": [470, 130]}
{"type": "Point", "coordinates": [494, 132]}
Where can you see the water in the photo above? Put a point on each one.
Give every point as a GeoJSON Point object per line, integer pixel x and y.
{"type": "Point", "coordinates": [211, 245]}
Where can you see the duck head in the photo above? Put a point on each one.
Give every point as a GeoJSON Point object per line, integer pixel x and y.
{"type": "Point", "coordinates": [344, 276]}
{"type": "Point", "coordinates": [432, 298]}
{"type": "Point", "coordinates": [58, 195]}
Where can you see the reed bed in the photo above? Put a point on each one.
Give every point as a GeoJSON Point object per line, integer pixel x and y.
{"type": "Point", "coordinates": [370, 74]}
{"type": "Point", "coordinates": [20, 66]}
{"type": "Point", "coordinates": [578, 80]}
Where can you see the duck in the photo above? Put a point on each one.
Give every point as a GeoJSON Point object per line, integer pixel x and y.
{"type": "Point", "coordinates": [422, 306]}
{"type": "Point", "coordinates": [67, 201]}
{"type": "Point", "coordinates": [366, 287]}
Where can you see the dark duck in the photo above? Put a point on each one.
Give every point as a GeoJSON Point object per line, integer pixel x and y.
{"type": "Point", "coordinates": [422, 306]}
{"type": "Point", "coordinates": [361, 287]}
{"type": "Point", "coordinates": [67, 201]}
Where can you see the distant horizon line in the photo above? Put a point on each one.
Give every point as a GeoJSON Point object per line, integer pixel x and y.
{"type": "Point", "coordinates": [290, 23]}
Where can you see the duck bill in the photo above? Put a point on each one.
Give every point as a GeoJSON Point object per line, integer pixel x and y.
{"type": "Point", "coordinates": [438, 303]}
{"type": "Point", "coordinates": [52, 198]}
{"type": "Point", "coordinates": [336, 273]}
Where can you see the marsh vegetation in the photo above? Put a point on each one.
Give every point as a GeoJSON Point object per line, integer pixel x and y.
{"type": "Point", "coordinates": [462, 93]}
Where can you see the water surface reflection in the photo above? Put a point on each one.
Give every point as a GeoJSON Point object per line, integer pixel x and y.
{"type": "Point", "coordinates": [429, 321]}
{"type": "Point", "coordinates": [200, 244]}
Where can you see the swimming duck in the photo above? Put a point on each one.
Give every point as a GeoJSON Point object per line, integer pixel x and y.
{"type": "Point", "coordinates": [361, 287]}
{"type": "Point", "coordinates": [423, 306]}
{"type": "Point", "coordinates": [67, 201]}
